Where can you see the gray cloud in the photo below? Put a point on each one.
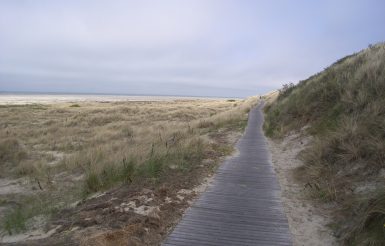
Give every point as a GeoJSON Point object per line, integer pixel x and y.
{"type": "Point", "coordinates": [199, 47]}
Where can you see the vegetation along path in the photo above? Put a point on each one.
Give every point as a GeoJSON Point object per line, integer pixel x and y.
{"type": "Point", "coordinates": [242, 206]}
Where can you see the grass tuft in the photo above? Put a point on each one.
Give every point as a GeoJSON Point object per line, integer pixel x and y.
{"type": "Point", "coordinates": [16, 220]}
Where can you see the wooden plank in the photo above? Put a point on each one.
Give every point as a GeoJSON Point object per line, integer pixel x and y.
{"type": "Point", "coordinates": [242, 206]}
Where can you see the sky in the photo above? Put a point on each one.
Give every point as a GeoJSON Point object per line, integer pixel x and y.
{"type": "Point", "coordinates": [224, 48]}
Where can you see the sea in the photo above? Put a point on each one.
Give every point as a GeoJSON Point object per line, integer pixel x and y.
{"type": "Point", "coordinates": [20, 98]}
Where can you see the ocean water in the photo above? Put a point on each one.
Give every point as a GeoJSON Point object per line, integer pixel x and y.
{"type": "Point", "coordinates": [46, 98]}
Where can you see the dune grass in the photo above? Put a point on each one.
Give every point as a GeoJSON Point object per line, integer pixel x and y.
{"type": "Point", "coordinates": [343, 107]}
{"type": "Point", "coordinates": [69, 152]}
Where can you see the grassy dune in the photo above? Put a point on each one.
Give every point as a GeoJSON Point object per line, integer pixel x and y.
{"type": "Point", "coordinates": [68, 151]}
{"type": "Point", "coordinates": [343, 107]}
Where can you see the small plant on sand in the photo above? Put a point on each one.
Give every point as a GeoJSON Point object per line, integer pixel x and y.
{"type": "Point", "coordinates": [14, 221]}
{"type": "Point", "coordinates": [127, 170]}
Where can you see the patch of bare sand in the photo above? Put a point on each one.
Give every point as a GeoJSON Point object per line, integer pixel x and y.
{"type": "Point", "coordinates": [30, 235]}
{"type": "Point", "coordinates": [11, 186]}
{"type": "Point", "coordinates": [307, 221]}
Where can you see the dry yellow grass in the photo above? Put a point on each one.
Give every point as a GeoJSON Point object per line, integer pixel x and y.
{"type": "Point", "coordinates": [271, 97]}
{"type": "Point", "coordinates": [34, 135]}
{"type": "Point", "coordinates": [86, 147]}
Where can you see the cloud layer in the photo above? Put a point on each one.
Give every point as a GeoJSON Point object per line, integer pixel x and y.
{"type": "Point", "coordinates": [200, 47]}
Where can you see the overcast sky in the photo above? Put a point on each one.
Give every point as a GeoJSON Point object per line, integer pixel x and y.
{"type": "Point", "coordinates": [182, 47]}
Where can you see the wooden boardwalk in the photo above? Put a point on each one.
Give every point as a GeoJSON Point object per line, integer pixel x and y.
{"type": "Point", "coordinates": [242, 205]}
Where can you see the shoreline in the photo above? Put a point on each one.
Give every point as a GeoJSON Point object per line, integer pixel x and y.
{"type": "Point", "coordinates": [42, 98]}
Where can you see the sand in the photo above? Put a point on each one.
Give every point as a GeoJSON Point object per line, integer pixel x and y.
{"type": "Point", "coordinates": [12, 186]}
{"type": "Point", "coordinates": [307, 222]}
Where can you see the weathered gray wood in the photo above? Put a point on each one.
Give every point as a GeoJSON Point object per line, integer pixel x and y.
{"type": "Point", "coordinates": [242, 206]}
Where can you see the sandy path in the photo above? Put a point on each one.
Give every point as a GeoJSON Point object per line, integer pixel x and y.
{"type": "Point", "coordinates": [307, 223]}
